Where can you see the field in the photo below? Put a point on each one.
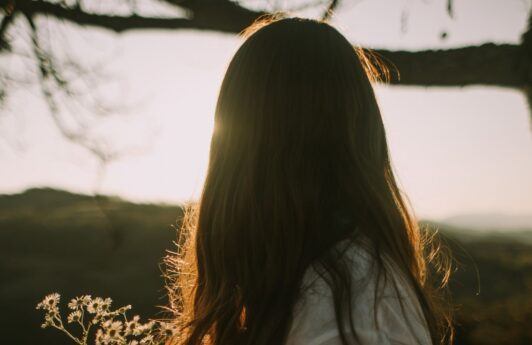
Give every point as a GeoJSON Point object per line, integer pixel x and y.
{"type": "Point", "coordinates": [55, 241]}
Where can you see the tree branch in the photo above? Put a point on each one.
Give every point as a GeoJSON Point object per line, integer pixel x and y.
{"type": "Point", "coordinates": [526, 44]}
{"type": "Point", "coordinates": [47, 75]}
{"type": "Point", "coordinates": [218, 15]}
{"type": "Point", "coordinates": [330, 10]}
{"type": "Point", "coordinates": [489, 64]}
{"type": "Point", "coordinates": [114, 23]}
{"type": "Point", "coordinates": [221, 15]}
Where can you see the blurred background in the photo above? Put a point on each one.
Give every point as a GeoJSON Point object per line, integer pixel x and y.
{"type": "Point", "coordinates": [106, 112]}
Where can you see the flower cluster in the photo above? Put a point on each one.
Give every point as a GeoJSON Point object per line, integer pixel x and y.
{"type": "Point", "coordinates": [98, 321]}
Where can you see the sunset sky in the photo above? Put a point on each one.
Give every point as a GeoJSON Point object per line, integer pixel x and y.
{"type": "Point", "coordinates": [455, 150]}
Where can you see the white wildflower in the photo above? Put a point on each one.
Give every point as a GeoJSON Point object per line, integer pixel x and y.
{"type": "Point", "coordinates": [113, 333]}
{"type": "Point", "coordinates": [48, 321]}
{"type": "Point", "coordinates": [106, 339]}
{"type": "Point", "coordinates": [147, 327]}
{"type": "Point", "coordinates": [98, 318]}
{"type": "Point", "coordinates": [113, 328]}
{"type": "Point", "coordinates": [79, 302]}
{"type": "Point", "coordinates": [98, 339]}
{"type": "Point", "coordinates": [86, 299]}
{"type": "Point", "coordinates": [167, 329]}
{"type": "Point", "coordinates": [75, 316]}
{"type": "Point", "coordinates": [147, 340]}
{"type": "Point", "coordinates": [133, 327]}
{"type": "Point", "coordinates": [74, 304]}
{"type": "Point", "coordinates": [123, 309]}
{"type": "Point", "coordinates": [106, 304]}
{"type": "Point", "coordinates": [107, 324]}
{"type": "Point", "coordinates": [95, 305]}
{"type": "Point", "coordinates": [49, 302]}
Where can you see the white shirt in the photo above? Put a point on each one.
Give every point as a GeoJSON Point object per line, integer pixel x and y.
{"type": "Point", "coordinates": [314, 318]}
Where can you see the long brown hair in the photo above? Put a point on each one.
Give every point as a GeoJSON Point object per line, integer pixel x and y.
{"type": "Point", "coordinates": [298, 145]}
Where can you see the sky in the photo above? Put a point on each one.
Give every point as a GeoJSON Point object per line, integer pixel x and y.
{"type": "Point", "coordinates": [454, 150]}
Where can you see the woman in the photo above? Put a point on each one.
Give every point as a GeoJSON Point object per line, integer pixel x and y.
{"type": "Point", "coordinates": [301, 235]}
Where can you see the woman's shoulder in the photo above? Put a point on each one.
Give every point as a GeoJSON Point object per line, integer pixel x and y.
{"type": "Point", "coordinates": [396, 317]}
{"type": "Point", "coordinates": [356, 255]}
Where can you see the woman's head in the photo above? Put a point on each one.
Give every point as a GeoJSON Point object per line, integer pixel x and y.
{"type": "Point", "coordinates": [298, 161]}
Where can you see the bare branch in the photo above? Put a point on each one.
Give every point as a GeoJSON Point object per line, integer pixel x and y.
{"type": "Point", "coordinates": [502, 65]}
{"type": "Point", "coordinates": [48, 76]}
{"type": "Point", "coordinates": [306, 5]}
{"type": "Point", "coordinates": [330, 9]}
{"type": "Point", "coordinates": [450, 8]}
{"type": "Point", "coordinates": [224, 16]}
{"type": "Point", "coordinates": [527, 52]}
{"type": "Point", "coordinates": [114, 23]}
{"type": "Point", "coordinates": [488, 64]}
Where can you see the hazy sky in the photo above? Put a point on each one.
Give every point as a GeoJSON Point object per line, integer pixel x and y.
{"type": "Point", "coordinates": [455, 150]}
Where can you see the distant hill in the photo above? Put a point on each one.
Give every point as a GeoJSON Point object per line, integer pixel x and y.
{"type": "Point", "coordinates": [491, 221]}
{"type": "Point", "coordinates": [464, 234]}
{"type": "Point", "coordinates": [56, 241]}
